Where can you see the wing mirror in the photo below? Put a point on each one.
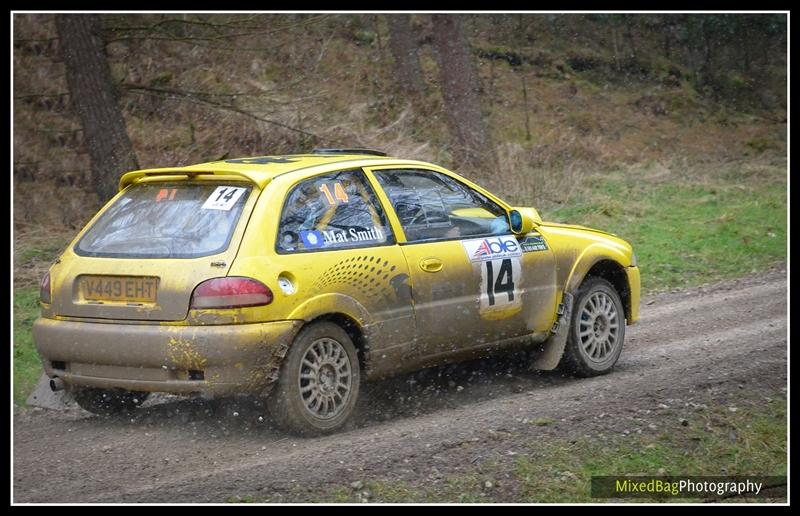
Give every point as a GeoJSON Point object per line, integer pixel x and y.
{"type": "Point", "coordinates": [522, 220]}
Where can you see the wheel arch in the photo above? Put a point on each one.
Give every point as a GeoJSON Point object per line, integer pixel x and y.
{"type": "Point", "coordinates": [611, 271]}
{"type": "Point", "coordinates": [595, 261]}
{"type": "Point", "coordinates": [353, 329]}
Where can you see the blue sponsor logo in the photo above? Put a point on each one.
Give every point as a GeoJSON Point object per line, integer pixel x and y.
{"type": "Point", "coordinates": [312, 239]}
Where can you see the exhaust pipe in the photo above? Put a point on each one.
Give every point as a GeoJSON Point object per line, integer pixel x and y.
{"type": "Point", "coordinates": [56, 384]}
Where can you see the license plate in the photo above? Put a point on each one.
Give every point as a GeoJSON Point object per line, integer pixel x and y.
{"type": "Point", "coordinates": [123, 289]}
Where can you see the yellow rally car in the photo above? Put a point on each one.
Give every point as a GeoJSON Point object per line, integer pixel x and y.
{"type": "Point", "coordinates": [296, 277]}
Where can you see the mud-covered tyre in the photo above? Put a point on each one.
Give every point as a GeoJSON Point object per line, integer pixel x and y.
{"type": "Point", "coordinates": [318, 384]}
{"type": "Point", "coordinates": [597, 330]}
{"type": "Point", "coordinates": [108, 402]}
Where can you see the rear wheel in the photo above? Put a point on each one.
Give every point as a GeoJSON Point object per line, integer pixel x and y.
{"type": "Point", "coordinates": [318, 383]}
{"type": "Point", "coordinates": [597, 329]}
{"type": "Point", "coordinates": [108, 402]}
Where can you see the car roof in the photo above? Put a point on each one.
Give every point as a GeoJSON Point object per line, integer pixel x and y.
{"type": "Point", "coordinates": [261, 169]}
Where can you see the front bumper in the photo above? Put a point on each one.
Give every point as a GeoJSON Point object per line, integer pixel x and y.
{"type": "Point", "coordinates": [215, 360]}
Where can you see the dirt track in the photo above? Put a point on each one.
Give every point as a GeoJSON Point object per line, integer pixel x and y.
{"type": "Point", "coordinates": [429, 425]}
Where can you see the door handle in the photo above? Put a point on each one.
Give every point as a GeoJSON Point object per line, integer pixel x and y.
{"type": "Point", "coordinates": [431, 264]}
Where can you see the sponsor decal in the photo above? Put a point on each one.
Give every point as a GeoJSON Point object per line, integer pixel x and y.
{"type": "Point", "coordinates": [312, 239]}
{"type": "Point", "coordinates": [166, 194]}
{"type": "Point", "coordinates": [336, 236]}
{"type": "Point", "coordinates": [533, 243]}
{"type": "Point", "coordinates": [492, 248]}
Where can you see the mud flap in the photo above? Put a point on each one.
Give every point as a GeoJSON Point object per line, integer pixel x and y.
{"type": "Point", "coordinates": [43, 396]}
{"type": "Point", "coordinates": [554, 346]}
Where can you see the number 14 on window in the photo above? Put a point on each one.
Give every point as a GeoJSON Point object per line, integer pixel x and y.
{"type": "Point", "coordinates": [338, 196]}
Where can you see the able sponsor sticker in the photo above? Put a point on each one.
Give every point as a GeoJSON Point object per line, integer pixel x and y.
{"type": "Point", "coordinates": [492, 248]}
{"type": "Point", "coordinates": [533, 243]}
{"type": "Point", "coordinates": [223, 198]}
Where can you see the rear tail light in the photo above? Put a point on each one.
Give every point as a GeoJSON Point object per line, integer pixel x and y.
{"type": "Point", "coordinates": [44, 289]}
{"type": "Point", "coordinates": [232, 292]}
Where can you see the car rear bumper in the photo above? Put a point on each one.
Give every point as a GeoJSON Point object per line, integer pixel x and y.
{"type": "Point", "coordinates": [216, 360]}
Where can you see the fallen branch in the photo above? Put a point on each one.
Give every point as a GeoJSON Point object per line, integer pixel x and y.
{"type": "Point", "coordinates": [147, 90]}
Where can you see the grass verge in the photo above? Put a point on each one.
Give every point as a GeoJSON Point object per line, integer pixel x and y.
{"type": "Point", "coordinates": [27, 365]}
{"type": "Point", "coordinates": [35, 248]}
{"type": "Point", "coordinates": [686, 234]}
{"type": "Point", "coordinates": [750, 441]}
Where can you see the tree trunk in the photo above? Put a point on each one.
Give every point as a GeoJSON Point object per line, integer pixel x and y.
{"type": "Point", "coordinates": [472, 147]}
{"type": "Point", "coordinates": [629, 36]}
{"type": "Point", "coordinates": [525, 100]}
{"type": "Point", "coordinates": [705, 69]}
{"type": "Point", "coordinates": [745, 41]}
{"type": "Point", "coordinates": [403, 45]}
{"type": "Point", "coordinates": [94, 98]}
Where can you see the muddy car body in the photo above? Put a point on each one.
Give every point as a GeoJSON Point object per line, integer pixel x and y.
{"type": "Point", "coordinates": [297, 277]}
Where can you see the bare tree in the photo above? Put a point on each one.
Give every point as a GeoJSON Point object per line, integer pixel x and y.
{"type": "Point", "coordinates": [472, 146]}
{"type": "Point", "coordinates": [403, 45]}
{"type": "Point", "coordinates": [94, 97]}
{"type": "Point", "coordinates": [629, 21]}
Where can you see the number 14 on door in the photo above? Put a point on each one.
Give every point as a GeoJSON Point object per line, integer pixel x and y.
{"type": "Point", "coordinates": [500, 283]}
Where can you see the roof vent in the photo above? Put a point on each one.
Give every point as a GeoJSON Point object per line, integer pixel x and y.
{"type": "Point", "coordinates": [371, 152]}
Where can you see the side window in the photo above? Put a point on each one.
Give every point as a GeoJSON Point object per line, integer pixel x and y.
{"type": "Point", "coordinates": [332, 211]}
{"type": "Point", "coordinates": [434, 206]}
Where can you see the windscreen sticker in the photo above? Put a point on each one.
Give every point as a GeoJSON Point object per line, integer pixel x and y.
{"type": "Point", "coordinates": [166, 194]}
{"type": "Point", "coordinates": [223, 198]}
{"type": "Point", "coordinates": [312, 239]}
{"type": "Point", "coordinates": [533, 243]}
{"type": "Point", "coordinates": [492, 248]}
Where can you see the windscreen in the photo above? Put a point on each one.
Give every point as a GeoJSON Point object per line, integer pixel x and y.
{"type": "Point", "coordinates": [167, 220]}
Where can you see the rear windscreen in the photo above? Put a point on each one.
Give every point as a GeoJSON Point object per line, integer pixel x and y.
{"type": "Point", "coordinates": [167, 220]}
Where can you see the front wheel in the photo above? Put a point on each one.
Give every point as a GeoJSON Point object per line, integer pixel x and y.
{"type": "Point", "coordinates": [108, 402]}
{"type": "Point", "coordinates": [318, 383]}
{"type": "Point", "coordinates": [597, 330]}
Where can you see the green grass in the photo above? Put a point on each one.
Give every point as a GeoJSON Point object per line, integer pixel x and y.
{"type": "Point", "coordinates": [463, 489]}
{"type": "Point", "coordinates": [42, 252]}
{"type": "Point", "coordinates": [750, 441]}
{"type": "Point", "coordinates": [688, 234]}
{"type": "Point", "coordinates": [33, 254]}
{"type": "Point", "coordinates": [27, 365]}
{"type": "Point", "coordinates": [242, 499]}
